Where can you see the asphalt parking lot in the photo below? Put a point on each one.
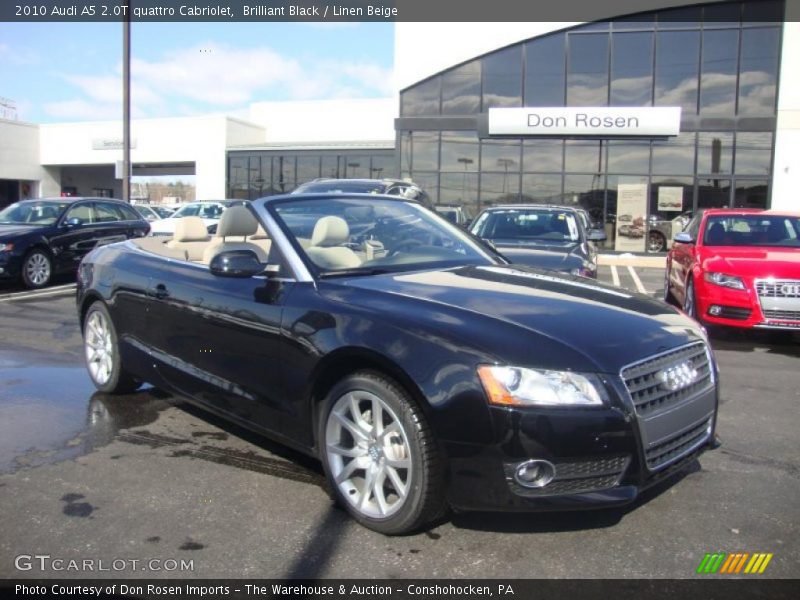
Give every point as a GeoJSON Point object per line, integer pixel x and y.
{"type": "Point", "coordinates": [88, 476]}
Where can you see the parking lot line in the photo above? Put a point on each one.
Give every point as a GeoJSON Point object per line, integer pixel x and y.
{"type": "Point", "coordinates": [614, 275]}
{"type": "Point", "coordinates": [54, 291]}
{"type": "Point", "coordinates": [636, 280]}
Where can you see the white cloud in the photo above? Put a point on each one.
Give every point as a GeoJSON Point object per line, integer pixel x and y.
{"type": "Point", "coordinates": [213, 77]}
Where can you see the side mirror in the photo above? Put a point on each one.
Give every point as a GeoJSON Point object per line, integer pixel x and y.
{"type": "Point", "coordinates": [236, 263]}
{"type": "Point", "coordinates": [684, 238]}
{"type": "Point", "coordinates": [73, 222]}
{"type": "Point", "coordinates": [597, 235]}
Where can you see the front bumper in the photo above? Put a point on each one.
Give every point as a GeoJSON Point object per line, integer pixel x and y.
{"type": "Point", "coordinates": [599, 457]}
{"type": "Point", "coordinates": [10, 266]}
{"type": "Point", "coordinates": [718, 305]}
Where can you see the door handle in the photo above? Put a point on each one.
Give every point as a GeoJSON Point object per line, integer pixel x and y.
{"type": "Point", "coordinates": [160, 291]}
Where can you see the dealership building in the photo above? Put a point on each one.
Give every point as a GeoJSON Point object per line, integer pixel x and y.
{"type": "Point", "coordinates": [655, 114]}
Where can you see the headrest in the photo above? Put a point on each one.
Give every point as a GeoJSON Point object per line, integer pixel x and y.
{"type": "Point", "coordinates": [190, 229]}
{"type": "Point", "coordinates": [260, 234]}
{"type": "Point", "coordinates": [237, 220]}
{"type": "Point", "coordinates": [330, 231]}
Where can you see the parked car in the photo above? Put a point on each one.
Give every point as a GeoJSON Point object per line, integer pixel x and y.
{"type": "Point", "coordinates": [392, 187]}
{"type": "Point", "coordinates": [147, 212]}
{"type": "Point", "coordinates": [541, 236]}
{"type": "Point", "coordinates": [661, 231]}
{"type": "Point", "coordinates": [738, 268]}
{"type": "Point", "coordinates": [153, 212]}
{"type": "Point", "coordinates": [421, 368]}
{"type": "Point", "coordinates": [210, 211]}
{"type": "Point", "coordinates": [40, 238]}
{"type": "Point", "coordinates": [163, 211]}
{"type": "Point", "coordinates": [455, 213]}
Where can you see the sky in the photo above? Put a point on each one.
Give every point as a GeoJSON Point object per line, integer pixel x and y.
{"type": "Point", "coordinates": [58, 72]}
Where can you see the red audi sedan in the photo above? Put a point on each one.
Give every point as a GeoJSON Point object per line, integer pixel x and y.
{"type": "Point", "coordinates": [739, 268]}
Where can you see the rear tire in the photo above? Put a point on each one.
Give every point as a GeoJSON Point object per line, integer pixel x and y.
{"type": "Point", "coordinates": [379, 455]}
{"type": "Point", "coordinates": [101, 351]}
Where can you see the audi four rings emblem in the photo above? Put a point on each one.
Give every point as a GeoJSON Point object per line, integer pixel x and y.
{"type": "Point", "coordinates": [678, 376]}
{"type": "Point", "coordinates": [790, 289]}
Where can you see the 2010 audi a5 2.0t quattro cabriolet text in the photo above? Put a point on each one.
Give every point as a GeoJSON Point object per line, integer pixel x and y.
{"type": "Point", "coordinates": [422, 369]}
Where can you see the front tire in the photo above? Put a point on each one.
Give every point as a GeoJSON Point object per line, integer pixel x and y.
{"type": "Point", "coordinates": [379, 454]}
{"type": "Point", "coordinates": [37, 269]}
{"type": "Point", "coordinates": [101, 350]}
{"type": "Point", "coordinates": [690, 300]}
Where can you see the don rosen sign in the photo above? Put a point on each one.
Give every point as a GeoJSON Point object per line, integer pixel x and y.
{"type": "Point", "coordinates": [599, 121]}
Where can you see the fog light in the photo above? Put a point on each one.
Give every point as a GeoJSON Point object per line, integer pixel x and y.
{"type": "Point", "coordinates": [534, 473]}
{"type": "Point", "coordinates": [715, 310]}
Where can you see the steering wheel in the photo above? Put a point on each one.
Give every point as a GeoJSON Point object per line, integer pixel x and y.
{"type": "Point", "coordinates": [405, 245]}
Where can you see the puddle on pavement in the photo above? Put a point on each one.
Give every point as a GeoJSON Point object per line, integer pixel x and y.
{"type": "Point", "coordinates": [50, 413]}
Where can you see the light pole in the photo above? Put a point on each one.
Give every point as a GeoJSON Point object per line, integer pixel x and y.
{"type": "Point", "coordinates": [126, 106]}
{"type": "Point", "coordinates": [465, 161]}
{"type": "Point", "coordinates": [505, 163]}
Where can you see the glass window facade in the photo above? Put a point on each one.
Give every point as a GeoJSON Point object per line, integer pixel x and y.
{"type": "Point", "coordinates": [718, 62]}
{"type": "Point", "coordinates": [256, 173]}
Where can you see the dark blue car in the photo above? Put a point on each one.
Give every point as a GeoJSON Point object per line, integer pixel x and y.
{"type": "Point", "coordinates": [43, 237]}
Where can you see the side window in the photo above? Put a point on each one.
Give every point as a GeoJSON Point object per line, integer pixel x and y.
{"type": "Point", "coordinates": [83, 212]}
{"type": "Point", "coordinates": [693, 227]}
{"type": "Point", "coordinates": [128, 213]}
{"type": "Point", "coordinates": [107, 213]}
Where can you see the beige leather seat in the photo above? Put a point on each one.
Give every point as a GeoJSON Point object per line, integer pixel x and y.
{"type": "Point", "coordinates": [238, 223]}
{"type": "Point", "coordinates": [191, 236]}
{"type": "Point", "coordinates": [326, 250]}
{"type": "Point", "coordinates": [261, 239]}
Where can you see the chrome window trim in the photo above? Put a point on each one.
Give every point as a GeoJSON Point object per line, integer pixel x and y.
{"type": "Point", "coordinates": [295, 263]}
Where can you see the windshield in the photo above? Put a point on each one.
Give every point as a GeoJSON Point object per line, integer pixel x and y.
{"type": "Point", "coordinates": [521, 225]}
{"type": "Point", "coordinates": [33, 213]}
{"type": "Point", "coordinates": [338, 186]}
{"type": "Point", "coordinates": [753, 230]}
{"type": "Point", "coordinates": [205, 211]}
{"type": "Point", "coordinates": [368, 236]}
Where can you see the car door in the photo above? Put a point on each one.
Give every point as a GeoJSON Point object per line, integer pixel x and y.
{"type": "Point", "coordinates": [218, 340]}
{"type": "Point", "coordinates": [683, 257]}
{"type": "Point", "coordinates": [73, 240]}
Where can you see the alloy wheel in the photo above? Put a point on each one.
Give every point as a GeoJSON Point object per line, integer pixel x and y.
{"type": "Point", "coordinates": [655, 242]}
{"type": "Point", "coordinates": [368, 454]}
{"type": "Point", "coordinates": [99, 347]}
{"type": "Point", "coordinates": [37, 269]}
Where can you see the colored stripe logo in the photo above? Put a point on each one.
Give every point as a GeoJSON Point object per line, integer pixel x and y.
{"type": "Point", "coordinates": [734, 564]}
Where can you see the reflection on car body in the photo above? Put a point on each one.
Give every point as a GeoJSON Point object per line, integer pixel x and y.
{"type": "Point", "coordinates": [421, 368]}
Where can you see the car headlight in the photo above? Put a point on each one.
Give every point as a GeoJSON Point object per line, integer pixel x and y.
{"type": "Point", "coordinates": [517, 386]}
{"type": "Point", "coordinates": [6, 247]}
{"type": "Point", "coordinates": [728, 281]}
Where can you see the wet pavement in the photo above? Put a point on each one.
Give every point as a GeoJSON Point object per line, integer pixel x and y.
{"type": "Point", "coordinates": [88, 475]}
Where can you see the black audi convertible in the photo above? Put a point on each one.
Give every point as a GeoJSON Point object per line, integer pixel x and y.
{"type": "Point", "coordinates": [423, 370]}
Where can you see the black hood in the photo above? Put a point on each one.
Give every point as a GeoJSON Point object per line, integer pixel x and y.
{"type": "Point", "coordinates": [608, 326]}
{"type": "Point", "coordinates": [10, 232]}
